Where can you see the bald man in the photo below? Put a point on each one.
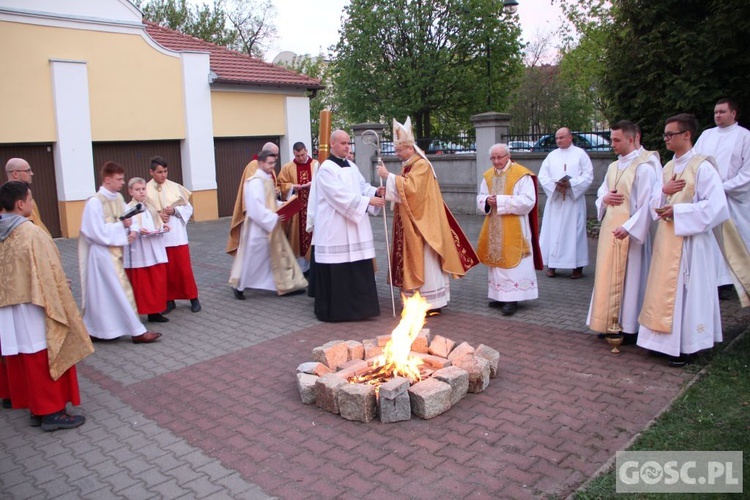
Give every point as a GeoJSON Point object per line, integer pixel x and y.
{"type": "Point", "coordinates": [18, 169]}
{"type": "Point", "coordinates": [238, 216]}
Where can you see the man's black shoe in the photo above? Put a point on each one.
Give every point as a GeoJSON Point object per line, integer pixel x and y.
{"type": "Point", "coordinates": [496, 304]}
{"type": "Point", "coordinates": [170, 307]}
{"type": "Point", "coordinates": [61, 420]}
{"type": "Point", "coordinates": [509, 308]}
{"type": "Point", "coordinates": [35, 420]}
{"type": "Point", "coordinates": [7, 404]}
{"type": "Point", "coordinates": [678, 361]}
{"type": "Point", "coordinates": [601, 336]}
{"type": "Point", "coordinates": [629, 339]}
{"type": "Point", "coordinates": [725, 292]}
{"type": "Point", "coordinates": [434, 312]}
{"type": "Point", "coordinates": [238, 294]}
{"type": "Point", "coordinates": [195, 305]}
{"type": "Point", "coordinates": [157, 318]}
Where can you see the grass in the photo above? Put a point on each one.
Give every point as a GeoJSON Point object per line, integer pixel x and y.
{"type": "Point", "coordinates": [713, 414]}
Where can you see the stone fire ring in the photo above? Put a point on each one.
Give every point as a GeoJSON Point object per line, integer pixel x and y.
{"type": "Point", "coordinates": [449, 371]}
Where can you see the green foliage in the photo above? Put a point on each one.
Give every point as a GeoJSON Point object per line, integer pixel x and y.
{"type": "Point", "coordinates": [205, 22]}
{"type": "Point", "coordinates": [427, 59]}
{"type": "Point", "coordinates": [712, 415]}
{"type": "Point", "coordinates": [320, 69]}
{"type": "Point", "coordinates": [649, 60]}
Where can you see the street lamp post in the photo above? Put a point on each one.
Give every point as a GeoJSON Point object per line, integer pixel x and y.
{"type": "Point", "coordinates": [511, 7]}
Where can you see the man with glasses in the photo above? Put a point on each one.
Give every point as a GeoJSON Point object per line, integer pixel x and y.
{"type": "Point", "coordinates": [18, 169]}
{"type": "Point", "coordinates": [565, 175]}
{"type": "Point", "coordinates": [509, 242]}
{"type": "Point", "coordinates": [680, 314]}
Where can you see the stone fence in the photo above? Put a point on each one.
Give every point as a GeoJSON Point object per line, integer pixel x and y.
{"type": "Point", "coordinates": [459, 175]}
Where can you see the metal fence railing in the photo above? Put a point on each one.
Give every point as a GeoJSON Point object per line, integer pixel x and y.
{"type": "Point", "coordinates": [590, 141]}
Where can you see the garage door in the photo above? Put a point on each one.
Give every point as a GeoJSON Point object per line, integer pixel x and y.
{"type": "Point", "coordinates": [136, 156]}
{"type": "Point", "coordinates": [232, 155]}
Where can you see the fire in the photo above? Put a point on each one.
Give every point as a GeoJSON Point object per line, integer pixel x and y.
{"type": "Point", "coordinates": [395, 360]}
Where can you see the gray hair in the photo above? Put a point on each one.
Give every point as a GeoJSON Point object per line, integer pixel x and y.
{"type": "Point", "coordinates": [500, 145]}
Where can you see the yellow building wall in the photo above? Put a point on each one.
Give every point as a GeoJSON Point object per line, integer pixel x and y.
{"type": "Point", "coordinates": [243, 114]}
{"type": "Point", "coordinates": [135, 91]}
{"type": "Point", "coordinates": [206, 205]}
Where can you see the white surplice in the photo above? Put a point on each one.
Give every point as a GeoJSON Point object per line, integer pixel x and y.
{"type": "Point", "coordinates": [342, 202]}
{"type": "Point", "coordinates": [697, 319]}
{"type": "Point", "coordinates": [516, 283]}
{"type": "Point", "coordinates": [107, 312]}
{"type": "Point", "coordinates": [148, 249]}
{"type": "Point", "coordinates": [638, 227]}
{"type": "Point", "coordinates": [730, 146]}
{"type": "Point", "coordinates": [563, 235]}
{"type": "Point", "coordinates": [256, 271]}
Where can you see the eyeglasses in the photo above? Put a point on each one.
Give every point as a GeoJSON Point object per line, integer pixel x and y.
{"type": "Point", "coordinates": [499, 157]}
{"type": "Point", "coordinates": [669, 135]}
{"type": "Point", "coordinates": [24, 170]}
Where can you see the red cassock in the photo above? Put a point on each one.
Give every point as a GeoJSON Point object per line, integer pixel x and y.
{"type": "Point", "coordinates": [180, 280]}
{"type": "Point", "coordinates": [21, 372]}
{"type": "Point", "coordinates": [149, 287]}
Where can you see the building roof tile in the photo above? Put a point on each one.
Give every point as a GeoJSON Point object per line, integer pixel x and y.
{"type": "Point", "coordinates": [230, 66]}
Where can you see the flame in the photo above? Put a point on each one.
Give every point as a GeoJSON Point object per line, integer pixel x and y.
{"type": "Point", "coordinates": [395, 360]}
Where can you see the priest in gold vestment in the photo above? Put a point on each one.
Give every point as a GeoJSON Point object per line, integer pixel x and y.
{"type": "Point", "coordinates": [428, 244]}
{"type": "Point", "coordinates": [624, 248]}
{"type": "Point", "coordinates": [42, 336]}
{"type": "Point", "coordinates": [509, 240]}
{"type": "Point", "coordinates": [680, 314]}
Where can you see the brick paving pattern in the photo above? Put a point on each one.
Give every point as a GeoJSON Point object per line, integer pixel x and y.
{"type": "Point", "coordinates": [212, 410]}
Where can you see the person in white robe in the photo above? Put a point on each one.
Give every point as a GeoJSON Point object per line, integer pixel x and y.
{"type": "Point", "coordinates": [265, 259]}
{"type": "Point", "coordinates": [145, 259]}
{"type": "Point", "coordinates": [109, 309]}
{"type": "Point", "coordinates": [729, 144]}
{"type": "Point", "coordinates": [344, 277]}
{"type": "Point", "coordinates": [621, 275]}
{"type": "Point", "coordinates": [508, 245]}
{"type": "Point", "coordinates": [680, 314]}
{"type": "Point", "coordinates": [172, 201]}
{"type": "Point", "coordinates": [565, 175]}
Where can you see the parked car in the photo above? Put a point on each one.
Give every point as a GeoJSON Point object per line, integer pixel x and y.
{"type": "Point", "coordinates": [520, 145]}
{"type": "Point", "coordinates": [588, 141]}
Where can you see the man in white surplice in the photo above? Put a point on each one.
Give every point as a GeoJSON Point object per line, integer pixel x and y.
{"type": "Point", "coordinates": [680, 312]}
{"type": "Point", "coordinates": [729, 144]}
{"type": "Point", "coordinates": [620, 280]}
{"type": "Point", "coordinates": [566, 174]}
{"type": "Point", "coordinates": [109, 309]}
{"type": "Point", "coordinates": [264, 260]}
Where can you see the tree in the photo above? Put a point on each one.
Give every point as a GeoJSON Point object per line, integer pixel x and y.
{"type": "Point", "coordinates": [676, 56]}
{"type": "Point", "coordinates": [545, 100]}
{"type": "Point", "coordinates": [252, 20]}
{"type": "Point", "coordinates": [243, 25]}
{"type": "Point", "coordinates": [206, 22]}
{"type": "Point", "coordinates": [429, 59]}
{"type": "Point", "coordinates": [319, 68]}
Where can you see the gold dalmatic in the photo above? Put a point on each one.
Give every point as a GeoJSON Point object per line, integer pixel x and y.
{"type": "Point", "coordinates": [612, 253]}
{"type": "Point", "coordinates": [112, 211]}
{"type": "Point", "coordinates": [661, 289]}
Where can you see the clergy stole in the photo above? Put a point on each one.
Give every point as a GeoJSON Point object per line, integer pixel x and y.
{"type": "Point", "coordinates": [612, 253]}
{"type": "Point", "coordinates": [296, 227]}
{"type": "Point", "coordinates": [112, 211]}
{"type": "Point", "coordinates": [287, 274]}
{"type": "Point", "coordinates": [663, 274]}
{"type": "Point", "coordinates": [501, 241]}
